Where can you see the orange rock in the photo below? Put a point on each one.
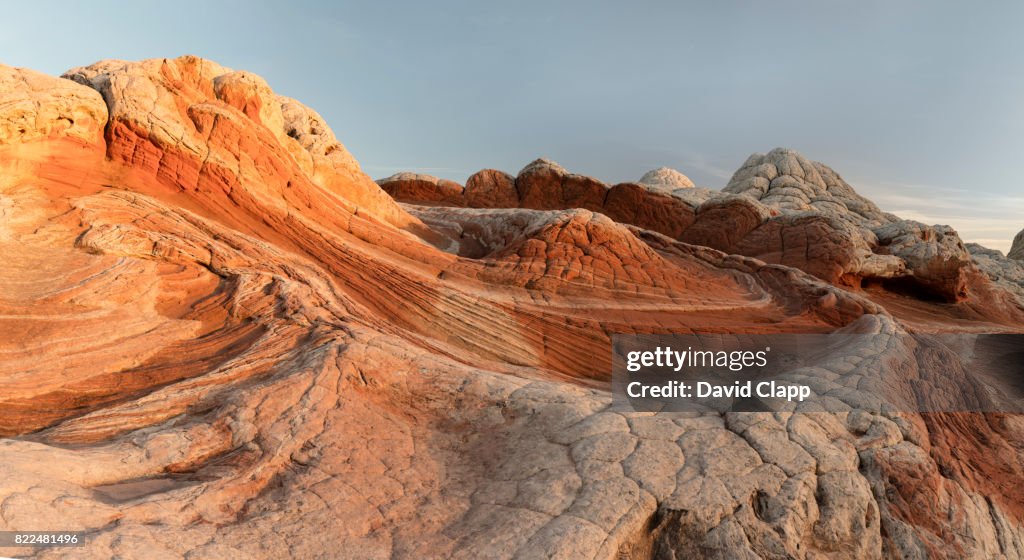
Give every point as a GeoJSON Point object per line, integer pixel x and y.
{"type": "Point", "coordinates": [490, 188]}
{"type": "Point", "coordinates": [219, 338]}
{"type": "Point", "coordinates": [545, 185]}
{"type": "Point", "coordinates": [415, 187]}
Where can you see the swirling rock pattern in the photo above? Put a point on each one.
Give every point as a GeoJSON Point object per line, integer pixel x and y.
{"type": "Point", "coordinates": [220, 339]}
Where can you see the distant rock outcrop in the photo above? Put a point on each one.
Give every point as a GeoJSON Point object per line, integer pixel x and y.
{"type": "Point", "coordinates": [1017, 249]}
{"type": "Point", "coordinates": [423, 188]}
{"type": "Point", "coordinates": [936, 255]}
{"type": "Point", "coordinates": [1004, 272]}
{"type": "Point", "coordinates": [779, 207]}
{"type": "Point", "coordinates": [666, 177]}
{"type": "Point", "coordinates": [490, 188]}
{"type": "Point", "coordinates": [545, 185]}
{"type": "Point", "coordinates": [863, 242]}
{"type": "Point", "coordinates": [784, 179]}
{"type": "Point", "coordinates": [827, 246]}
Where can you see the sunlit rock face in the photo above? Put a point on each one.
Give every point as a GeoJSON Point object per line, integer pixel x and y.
{"type": "Point", "coordinates": [423, 188]}
{"type": "Point", "coordinates": [220, 339]}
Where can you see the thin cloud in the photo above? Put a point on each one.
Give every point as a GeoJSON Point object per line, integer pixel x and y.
{"type": "Point", "coordinates": [691, 162]}
{"type": "Point", "coordinates": [978, 217]}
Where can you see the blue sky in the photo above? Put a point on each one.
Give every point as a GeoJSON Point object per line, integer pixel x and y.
{"type": "Point", "coordinates": [920, 105]}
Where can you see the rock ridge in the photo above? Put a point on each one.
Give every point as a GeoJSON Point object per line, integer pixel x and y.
{"type": "Point", "coordinates": [779, 207]}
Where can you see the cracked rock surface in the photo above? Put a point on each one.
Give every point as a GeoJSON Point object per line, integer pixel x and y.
{"type": "Point", "coordinates": [666, 177]}
{"type": "Point", "coordinates": [220, 339]}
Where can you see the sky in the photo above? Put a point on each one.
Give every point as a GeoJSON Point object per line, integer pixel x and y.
{"type": "Point", "coordinates": [918, 104]}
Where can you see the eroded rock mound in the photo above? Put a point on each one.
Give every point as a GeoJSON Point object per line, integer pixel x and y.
{"type": "Point", "coordinates": [166, 116]}
{"type": "Point", "coordinates": [1017, 249]}
{"type": "Point", "coordinates": [666, 177]}
{"type": "Point", "coordinates": [827, 246]}
{"type": "Point", "coordinates": [545, 185]}
{"type": "Point", "coordinates": [656, 210]}
{"type": "Point", "coordinates": [1002, 271]}
{"type": "Point", "coordinates": [935, 254]}
{"type": "Point", "coordinates": [35, 107]}
{"type": "Point", "coordinates": [423, 188]}
{"type": "Point", "coordinates": [783, 178]}
{"type": "Point", "coordinates": [779, 207]}
{"type": "Point", "coordinates": [829, 230]}
{"type": "Point", "coordinates": [490, 188]}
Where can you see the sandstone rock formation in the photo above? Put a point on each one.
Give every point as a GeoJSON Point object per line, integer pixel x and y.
{"type": "Point", "coordinates": [938, 258]}
{"type": "Point", "coordinates": [1005, 272]}
{"type": "Point", "coordinates": [785, 179]}
{"type": "Point", "coordinates": [1017, 249]}
{"type": "Point", "coordinates": [778, 207]}
{"type": "Point", "coordinates": [545, 185]}
{"type": "Point", "coordinates": [666, 177]}
{"type": "Point", "coordinates": [36, 106]}
{"type": "Point", "coordinates": [219, 339]}
{"type": "Point", "coordinates": [423, 188]}
{"type": "Point", "coordinates": [490, 188]}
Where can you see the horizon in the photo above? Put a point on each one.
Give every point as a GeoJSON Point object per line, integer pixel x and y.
{"type": "Point", "coordinates": [925, 127]}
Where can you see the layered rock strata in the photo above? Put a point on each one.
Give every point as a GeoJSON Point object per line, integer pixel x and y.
{"type": "Point", "coordinates": [220, 339]}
